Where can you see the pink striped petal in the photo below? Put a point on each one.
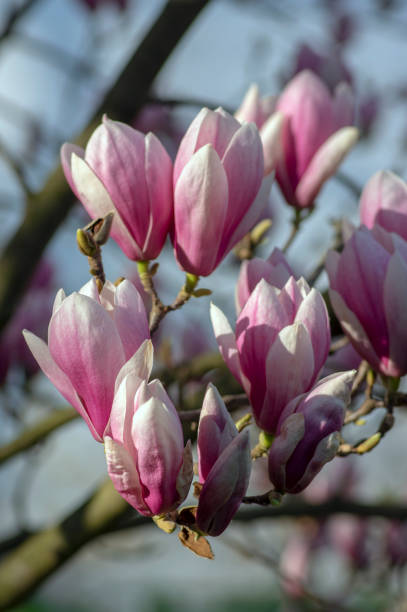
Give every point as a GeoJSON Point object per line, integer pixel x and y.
{"type": "Point", "coordinates": [123, 473]}
{"type": "Point", "coordinates": [270, 135]}
{"type": "Point", "coordinates": [226, 341]}
{"type": "Point", "coordinates": [159, 454]}
{"type": "Point", "coordinates": [324, 164]}
{"type": "Point", "coordinates": [130, 317]}
{"type": "Point", "coordinates": [67, 150]}
{"type": "Point", "coordinates": [158, 171]}
{"type": "Point", "coordinates": [82, 354]}
{"type": "Point", "coordinates": [395, 300]}
{"type": "Point", "coordinates": [244, 167]}
{"type": "Point", "coordinates": [58, 378]}
{"type": "Point", "coordinates": [200, 200]}
{"type": "Point", "coordinates": [98, 203]}
{"type": "Point", "coordinates": [140, 364]}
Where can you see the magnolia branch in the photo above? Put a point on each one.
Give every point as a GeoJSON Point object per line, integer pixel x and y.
{"type": "Point", "coordinates": [43, 552]}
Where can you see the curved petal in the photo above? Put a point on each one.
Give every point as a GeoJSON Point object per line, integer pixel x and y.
{"type": "Point", "coordinates": [160, 450]}
{"type": "Point", "coordinates": [67, 150]}
{"type": "Point", "coordinates": [314, 315]}
{"type": "Point", "coordinates": [130, 317]}
{"type": "Point", "coordinates": [58, 378]}
{"type": "Point", "coordinates": [158, 171]}
{"type": "Point", "coordinates": [244, 167]}
{"type": "Point", "coordinates": [289, 371]}
{"type": "Point", "coordinates": [140, 364]}
{"type": "Point", "coordinates": [384, 201]}
{"type": "Point", "coordinates": [98, 203]}
{"type": "Point", "coordinates": [123, 473]}
{"type": "Point", "coordinates": [353, 329]}
{"type": "Point", "coordinates": [223, 491]}
{"type": "Point", "coordinates": [226, 341]}
{"type": "Point", "coordinates": [291, 432]}
{"type": "Point", "coordinates": [324, 164]}
{"type": "Point", "coordinates": [270, 135]}
{"type": "Point", "coordinates": [360, 279]}
{"type": "Point", "coordinates": [395, 300]}
{"type": "Point", "coordinates": [200, 207]}
{"type": "Point", "coordinates": [79, 333]}
{"type": "Point", "coordinates": [215, 431]}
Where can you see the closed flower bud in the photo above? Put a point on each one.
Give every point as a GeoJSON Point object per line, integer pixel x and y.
{"type": "Point", "coordinates": [315, 136]}
{"type": "Point", "coordinates": [217, 175]}
{"type": "Point", "coordinates": [308, 433]}
{"type": "Point", "coordinates": [281, 343]}
{"type": "Point", "coordinates": [145, 454]}
{"type": "Point", "coordinates": [92, 343]}
{"type": "Point", "coordinates": [124, 172]}
{"type": "Point", "coordinates": [369, 294]}
{"type": "Point", "coordinates": [224, 465]}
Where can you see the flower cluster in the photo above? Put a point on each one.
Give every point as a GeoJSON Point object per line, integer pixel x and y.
{"type": "Point", "coordinates": [100, 354]}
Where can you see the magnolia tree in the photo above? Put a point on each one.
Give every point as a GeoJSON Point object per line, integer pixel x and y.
{"type": "Point", "coordinates": [259, 433]}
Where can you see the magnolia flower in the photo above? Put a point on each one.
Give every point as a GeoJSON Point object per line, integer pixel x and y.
{"type": "Point", "coordinates": [144, 444]}
{"type": "Point", "coordinates": [369, 294]}
{"type": "Point", "coordinates": [92, 341]}
{"type": "Point", "coordinates": [308, 433]}
{"type": "Point", "coordinates": [281, 343]}
{"type": "Point", "coordinates": [217, 174]}
{"type": "Point", "coordinates": [124, 171]}
{"type": "Point", "coordinates": [315, 136]}
{"type": "Point", "coordinates": [224, 465]}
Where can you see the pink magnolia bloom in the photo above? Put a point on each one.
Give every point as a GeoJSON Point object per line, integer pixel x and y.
{"type": "Point", "coordinates": [384, 202]}
{"type": "Point", "coordinates": [314, 137]}
{"type": "Point", "coordinates": [144, 445]}
{"type": "Point", "coordinates": [217, 174]}
{"type": "Point", "coordinates": [308, 433]}
{"type": "Point", "coordinates": [275, 270]}
{"type": "Point", "coordinates": [261, 111]}
{"type": "Point", "coordinates": [281, 343]}
{"type": "Point", "coordinates": [92, 341]}
{"type": "Point", "coordinates": [123, 171]}
{"type": "Point", "coordinates": [369, 295]}
{"type": "Point", "coordinates": [224, 464]}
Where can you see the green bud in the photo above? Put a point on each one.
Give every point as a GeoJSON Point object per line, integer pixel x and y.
{"type": "Point", "coordinates": [85, 243]}
{"type": "Point", "coordinates": [369, 444]}
{"type": "Point", "coordinates": [201, 292]}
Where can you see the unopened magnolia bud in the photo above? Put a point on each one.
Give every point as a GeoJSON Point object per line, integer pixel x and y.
{"type": "Point", "coordinates": [85, 243]}
{"type": "Point", "coordinates": [369, 444]}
